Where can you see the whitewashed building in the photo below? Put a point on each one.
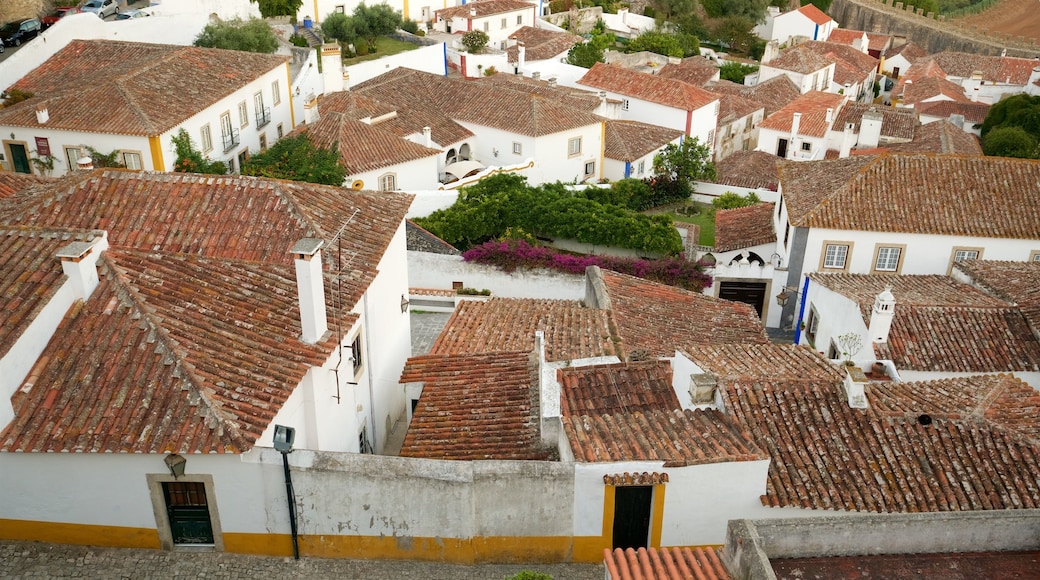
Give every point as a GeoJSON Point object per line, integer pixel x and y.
{"type": "Point", "coordinates": [807, 22]}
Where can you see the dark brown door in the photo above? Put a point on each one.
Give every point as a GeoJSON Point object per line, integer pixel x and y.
{"type": "Point", "coordinates": [632, 516]}
{"type": "Point", "coordinates": [752, 293]}
{"type": "Point", "coordinates": [188, 509]}
{"type": "Point", "coordinates": [781, 148]}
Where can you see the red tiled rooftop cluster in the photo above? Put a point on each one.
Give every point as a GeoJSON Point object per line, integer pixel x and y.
{"type": "Point", "coordinates": [665, 564]}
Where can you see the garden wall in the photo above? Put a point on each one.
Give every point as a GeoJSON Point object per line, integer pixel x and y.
{"type": "Point", "coordinates": [426, 270]}
{"type": "Point", "coordinates": [431, 59]}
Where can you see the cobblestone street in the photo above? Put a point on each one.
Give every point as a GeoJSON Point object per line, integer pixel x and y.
{"type": "Point", "coordinates": [35, 560]}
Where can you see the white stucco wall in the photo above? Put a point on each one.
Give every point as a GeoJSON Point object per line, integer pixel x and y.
{"type": "Point", "coordinates": [427, 270]}
{"type": "Point", "coordinates": [431, 59]}
{"type": "Point", "coordinates": [419, 174]}
{"type": "Point", "coordinates": [550, 152]}
{"type": "Point", "coordinates": [769, 139]}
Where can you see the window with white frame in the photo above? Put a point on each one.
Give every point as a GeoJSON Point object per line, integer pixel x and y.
{"type": "Point", "coordinates": [624, 104]}
{"type": "Point", "coordinates": [806, 146]}
{"type": "Point", "coordinates": [132, 160]}
{"type": "Point", "coordinates": [517, 148]}
{"type": "Point", "coordinates": [504, 23]}
{"type": "Point", "coordinates": [590, 168]}
{"type": "Point", "coordinates": [206, 137]}
{"type": "Point", "coordinates": [887, 259]}
{"type": "Point", "coordinates": [487, 26]}
{"type": "Point", "coordinates": [966, 254]}
{"type": "Point", "coordinates": [711, 137]}
{"type": "Point", "coordinates": [574, 146]}
{"type": "Point", "coordinates": [243, 114]}
{"type": "Point", "coordinates": [280, 130]}
{"type": "Point", "coordinates": [835, 255]}
{"type": "Point", "coordinates": [73, 155]}
{"type": "Point", "coordinates": [340, 9]}
{"type": "Point", "coordinates": [519, 19]}
{"type": "Point", "coordinates": [388, 182]}
{"type": "Point", "coordinates": [276, 94]}
{"type": "Point", "coordinates": [1034, 256]}
{"type": "Point", "coordinates": [641, 167]}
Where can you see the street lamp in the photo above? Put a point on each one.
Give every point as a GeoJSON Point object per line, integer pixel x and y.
{"type": "Point", "coordinates": [283, 442]}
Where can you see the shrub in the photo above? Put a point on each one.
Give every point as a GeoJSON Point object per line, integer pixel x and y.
{"type": "Point", "coordinates": [410, 26]}
{"type": "Point", "coordinates": [508, 255]}
{"type": "Point", "coordinates": [475, 40]}
{"type": "Point", "coordinates": [730, 200]}
{"type": "Point", "coordinates": [529, 575]}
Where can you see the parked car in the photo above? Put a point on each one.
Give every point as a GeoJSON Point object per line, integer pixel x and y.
{"type": "Point", "coordinates": [58, 13]}
{"type": "Point", "coordinates": [15, 33]}
{"type": "Point", "coordinates": [131, 14]}
{"type": "Point", "coordinates": [103, 8]}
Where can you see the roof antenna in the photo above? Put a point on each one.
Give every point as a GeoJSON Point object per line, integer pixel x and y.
{"type": "Point", "coordinates": [337, 270]}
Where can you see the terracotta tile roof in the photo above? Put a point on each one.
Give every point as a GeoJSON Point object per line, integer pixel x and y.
{"type": "Point", "coordinates": [973, 112]}
{"type": "Point", "coordinates": [1000, 400]}
{"type": "Point", "coordinates": [30, 274]}
{"type": "Point", "coordinates": [940, 137]}
{"type": "Point", "coordinates": [580, 99]}
{"type": "Point", "coordinates": [997, 197]}
{"type": "Point", "coordinates": [826, 455]}
{"type": "Point", "coordinates": [910, 51]}
{"type": "Point", "coordinates": [676, 437]}
{"type": "Point", "coordinates": [813, 107]}
{"type": "Point", "coordinates": [772, 94]}
{"type": "Point", "coordinates": [617, 388]}
{"type": "Point", "coordinates": [147, 89]}
{"type": "Point", "coordinates": [694, 70]}
{"type": "Point", "coordinates": [421, 240]}
{"type": "Point", "coordinates": [362, 147]}
{"type": "Point", "coordinates": [631, 140]}
{"type": "Point", "coordinates": [475, 406]}
{"type": "Point", "coordinates": [11, 182]}
{"type": "Point", "coordinates": [815, 14]}
{"type": "Point", "coordinates": [401, 121]}
{"type": "Point", "coordinates": [943, 325]}
{"type": "Point", "coordinates": [508, 324]}
{"type": "Point", "coordinates": [896, 123]}
{"type": "Point", "coordinates": [1017, 282]}
{"type": "Point", "coordinates": [540, 44]}
{"type": "Point", "coordinates": [860, 61]}
{"type": "Point", "coordinates": [480, 103]}
{"type": "Point", "coordinates": [799, 59]}
{"type": "Point", "coordinates": [648, 87]}
{"type": "Point", "coordinates": [233, 217]}
{"type": "Point", "coordinates": [929, 88]}
{"type": "Point", "coordinates": [175, 378]}
{"type": "Point", "coordinates": [483, 8]}
{"type": "Point", "coordinates": [733, 108]}
{"type": "Point", "coordinates": [744, 227]}
{"type": "Point", "coordinates": [994, 69]}
{"type": "Point", "coordinates": [763, 362]}
{"type": "Point", "coordinates": [658, 319]}
{"type": "Point", "coordinates": [753, 169]}
{"type": "Point", "coordinates": [878, 42]}
{"type": "Point", "coordinates": [664, 564]}
{"type": "Point", "coordinates": [845, 36]}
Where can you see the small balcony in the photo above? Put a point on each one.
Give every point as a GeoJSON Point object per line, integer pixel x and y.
{"type": "Point", "coordinates": [263, 117]}
{"type": "Point", "coordinates": [231, 140]}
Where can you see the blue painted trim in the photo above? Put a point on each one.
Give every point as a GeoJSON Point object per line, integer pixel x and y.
{"type": "Point", "coordinates": [444, 49]}
{"type": "Point", "coordinates": [801, 313]}
{"type": "Point", "coordinates": [815, 32]}
{"type": "Point", "coordinates": [628, 169]}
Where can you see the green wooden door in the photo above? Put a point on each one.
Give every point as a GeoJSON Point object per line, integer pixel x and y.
{"type": "Point", "coordinates": [19, 158]}
{"type": "Point", "coordinates": [188, 510]}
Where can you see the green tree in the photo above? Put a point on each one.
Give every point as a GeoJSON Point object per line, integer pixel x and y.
{"type": "Point", "coordinates": [824, 5]}
{"type": "Point", "coordinates": [374, 21]}
{"type": "Point", "coordinates": [584, 54]}
{"type": "Point", "coordinates": [190, 160]}
{"type": "Point", "coordinates": [1010, 142]}
{"type": "Point", "coordinates": [736, 32]}
{"type": "Point", "coordinates": [667, 10]}
{"type": "Point", "coordinates": [685, 163]}
{"type": "Point", "coordinates": [337, 26]}
{"type": "Point", "coordinates": [253, 35]}
{"type": "Point", "coordinates": [730, 200]}
{"type": "Point", "coordinates": [753, 10]}
{"type": "Point", "coordinates": [657, 42]}
{"type": "Point", "coordinates": [475, 40]}
{"type": "Point", "coordinates": [297, 158]}
{"type": "Point", "coordinates": [270, 8]}
{"type": "Point", "coordinates": [736, 71]}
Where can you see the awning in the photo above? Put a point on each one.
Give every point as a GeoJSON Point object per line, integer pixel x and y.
{"type": "Point", "coordinates": [462, 169]}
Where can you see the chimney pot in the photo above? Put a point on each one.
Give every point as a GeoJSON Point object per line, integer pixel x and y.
{"type": "Point", "coordinates": [42, 114]}
{"type": "Point", "coordinates": [427, 136]}
{"type": "Point", "coordinates": [80, 267]}
{"type": "Point", "coordinates": [85, 164]}
{"type": "Point", "coordinates": [310, 285]}
{"type": "Point", "coordinates": [536, 75]}
{"type": "Point", "coordinates": [551, 81]}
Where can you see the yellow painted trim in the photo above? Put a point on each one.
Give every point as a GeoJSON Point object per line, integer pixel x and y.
{"type": "Point", "coordinates": [83, 534]}
{"type": "Point", "coordinates": [292, 109]}
{"type": "Point", "coordinates": [405, 11]}
{"type": "Point", "coordinates": [657, 516]}
{"type": "Point", "coordinates": [316, 16]}
{"type": "Point", "coordinates": [608, 513]}
{"type": "Point", "coordinates": [155, 146]}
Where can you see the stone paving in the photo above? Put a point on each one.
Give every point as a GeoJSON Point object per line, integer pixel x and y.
{"type": "Point", "coordinates": [426, 327]}
{"type": "Point", "coordinates": [36, 560]}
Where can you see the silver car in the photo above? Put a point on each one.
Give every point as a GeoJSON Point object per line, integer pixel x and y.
{"type": "Point", "coordinates": [103, 8]}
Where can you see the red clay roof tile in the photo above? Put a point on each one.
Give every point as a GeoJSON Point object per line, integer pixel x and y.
{"type": "Point", "coordinates": [744, 227]}
{"type": "Point", "coordinates": [665, 564]}
{"type": "Point", "coordinates": [632, 140]}
{"type": "Point", "coordinates": [648, 87]}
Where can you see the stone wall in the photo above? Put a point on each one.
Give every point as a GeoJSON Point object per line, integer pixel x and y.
{"type": "Point", "coordinates": [11, 10]}
{"type": "Point", "coordinates": [932, 33]}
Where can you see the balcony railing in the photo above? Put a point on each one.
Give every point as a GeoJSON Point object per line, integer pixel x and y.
{"type": "Point", "coordinates": [263, 117]}
{"type": "Point", "coordinates": [231, 139]}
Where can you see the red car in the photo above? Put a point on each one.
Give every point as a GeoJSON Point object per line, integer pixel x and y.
{"type": "Point", "coordinates": [58, 14]}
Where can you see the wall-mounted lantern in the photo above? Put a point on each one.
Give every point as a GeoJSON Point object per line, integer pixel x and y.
{"type": "Point", "coordinates": [176, 464]}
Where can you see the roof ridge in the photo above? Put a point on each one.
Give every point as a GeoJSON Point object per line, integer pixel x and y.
{"type": "Point", "coordinates": [208, 410]}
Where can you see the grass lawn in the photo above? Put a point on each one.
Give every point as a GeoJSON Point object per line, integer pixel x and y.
{"type": "Point", "coordinates": [705, 218]}
{"type": "Point", "coordinates": [385, 46]}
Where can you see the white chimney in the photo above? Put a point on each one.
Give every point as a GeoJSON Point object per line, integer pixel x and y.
{"type": "Point", "coordinates": [310, 284]}
{"type": "Point", "coordinates": [472, 11]}
{"type": "Point", "coordinates": [830, 115]}
{"type": "Point", "coordinates": [79, 264]}
{"type": "Point", "coordinates": [881, 315]}
{"type": "Point", "coordinates": [85, 163]}
{"type": "Point", "coordinates": [854, 382]}
{"type": "Point", "coordinates": [847, 139]}
{"type": "Point", "coordinates": [536, 75]}
{"type": "Point", "coordinates": [427, 134]}
{"type": "Point", "coordinates": [870, 129]}
{"type": "Point", "coordinates": [521, 52]}
{"type": "Point", "coordinates": [975, 95]}
{"type": "Point", "coordinates": [42, 114]}
{"type": "Point", "coordinates": [796, 123]}
{"type": "Point", "coordinates": [332, 68]}
{"type": "Point", "coordinates": [551, 81]}
{"type": "Point", "coordinates": [771, 51]}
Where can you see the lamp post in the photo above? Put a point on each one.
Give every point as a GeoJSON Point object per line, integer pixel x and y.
{"type": "Point", "coordinates": [283, 442]}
